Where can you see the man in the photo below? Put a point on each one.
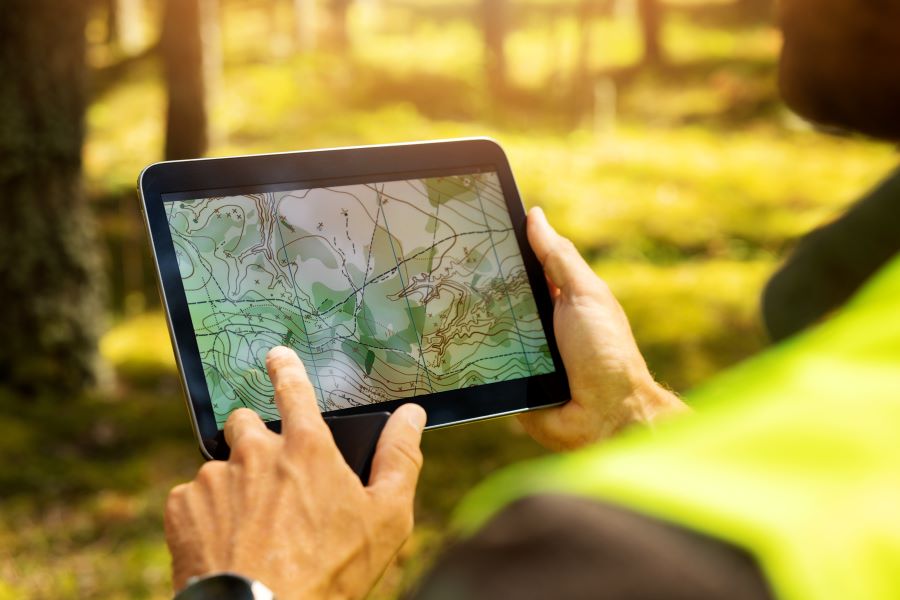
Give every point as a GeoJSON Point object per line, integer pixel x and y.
{"type": "Point", "coordinates": [284, 488]}
{"type": "Point", "coordinates": [782, 484]}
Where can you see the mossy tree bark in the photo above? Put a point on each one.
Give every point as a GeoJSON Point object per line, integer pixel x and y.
{"type": "Point", "coordinates": [52, 293]}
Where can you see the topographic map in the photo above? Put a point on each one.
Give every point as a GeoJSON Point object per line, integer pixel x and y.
{"type": "Point", "coordinates": [385, 290]}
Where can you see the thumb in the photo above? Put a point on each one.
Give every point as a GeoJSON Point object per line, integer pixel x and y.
{"type": "Point", "coordinates": [398, 458]}
{"type": "Point", "coordinates": [562, 263]}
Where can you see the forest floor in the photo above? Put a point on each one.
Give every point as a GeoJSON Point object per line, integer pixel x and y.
{"type": "Point", "coordinates": [685, 199]}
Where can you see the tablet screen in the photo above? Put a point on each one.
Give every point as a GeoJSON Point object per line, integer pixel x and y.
{"type": "Point", "coordinates": [386, 290]}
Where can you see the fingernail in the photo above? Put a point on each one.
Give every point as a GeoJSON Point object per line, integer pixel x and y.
{"type": "Point", "coordinates": [280, 352]}
{"type": "Point", "coordinates": [416, 417]}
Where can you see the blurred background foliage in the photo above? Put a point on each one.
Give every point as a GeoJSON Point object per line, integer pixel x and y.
{"type": "Point", "coordinates": [649, 130]}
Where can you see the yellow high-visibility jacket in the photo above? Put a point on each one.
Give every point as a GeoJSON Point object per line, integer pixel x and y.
{"type": "Point", "coordinates": [793, 455]}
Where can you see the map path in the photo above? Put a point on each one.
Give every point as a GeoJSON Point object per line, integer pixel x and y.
{"type": "Point", "coordinates": [373, 318]}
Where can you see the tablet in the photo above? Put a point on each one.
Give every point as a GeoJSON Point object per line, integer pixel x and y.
{"type": "Point", "coordinates": [397, 273]}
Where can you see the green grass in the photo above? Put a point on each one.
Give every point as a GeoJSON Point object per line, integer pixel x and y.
{"type": "Point", "coordinates": [84, 485]}
{"type": "Point", "coordinates": [685, 206]}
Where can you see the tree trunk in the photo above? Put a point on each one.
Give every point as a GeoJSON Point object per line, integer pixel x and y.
{"type": "Point", "coordinates": [493, 14]}
{"type": "Point", "coordinates": [112, 21]}
{"type": "Point", "coordinates": [181, 45]}
{"type": "Point", "coordinates": [585, 16]}
{"type": "Point", "coordinates": [338, 34]}
{"type": "Point", "coordinates": [650, 16]}
{"type": "Point", "coordinates": [213, 61]}
{"type": "Point", "coordinates": [581, 84]}
{"type": "Point", "coordinates": [52, 292]}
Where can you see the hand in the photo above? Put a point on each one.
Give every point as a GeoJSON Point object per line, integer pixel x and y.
{"type": "Point", "coordinates": [286, 509]}
{"type": "Point", "coordinates": [610, 384]}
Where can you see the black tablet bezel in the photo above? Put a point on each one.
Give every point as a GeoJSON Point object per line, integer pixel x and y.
{"type": "Point", "coordinates": [326, 167]}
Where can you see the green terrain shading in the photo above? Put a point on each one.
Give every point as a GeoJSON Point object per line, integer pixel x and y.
{"type": "Point", "coordinates": [374, 316]}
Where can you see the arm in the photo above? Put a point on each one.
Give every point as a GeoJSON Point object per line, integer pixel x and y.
{"type": "Point", "coordinates": [569, 548]}
{"type": "Point", "coordinates": [287, 510]}
{"type": "Point", "coordinates": [832, 262]}
{"type": "Point", "coordinates": [609, 380]}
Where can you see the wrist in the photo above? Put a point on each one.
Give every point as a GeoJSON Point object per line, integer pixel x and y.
{"type": "Point", "coordinates": [651, 402]}
{"type": "Point", "coordinates": [224, 586]}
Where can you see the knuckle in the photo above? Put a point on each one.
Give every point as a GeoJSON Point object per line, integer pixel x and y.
{"type": "Point", "coordinates": [310, 440]}
{"type": "Point", "coordinates": [251, 444]}
{"type": "Point", "coordinates": [210, 473]}
{"type": "Point", "coordinates": [240, 415]}
{"type": "Point", "coordinates": [178, 492]}
{"type": "Point", "coordinates": [176, 508]}
{"type": "Point", "coordinates": [552, 254]}
{"type": "Point", "coordinates": [307, 432]}
{"type": "Point", "coordinates": [561, 248]}
{"type": "Point", "coordinates": [291, 384]}
{"type": "Point", "coordinates": [559, 253]}
{"type": "Point", "coordinates": [411, 453]}
{"type": "Point", "coordinates": [287, 469]}
{"type": "Point", "coordinates": [176, 497]}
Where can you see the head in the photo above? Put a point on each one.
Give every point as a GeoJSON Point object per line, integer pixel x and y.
{"type": "Point", "coordinates": [840, 64]}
